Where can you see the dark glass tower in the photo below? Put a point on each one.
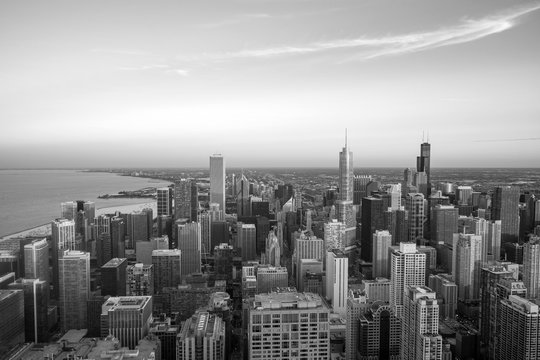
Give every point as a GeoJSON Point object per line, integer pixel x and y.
{"type": "Point", "coordinates": [423, 163]}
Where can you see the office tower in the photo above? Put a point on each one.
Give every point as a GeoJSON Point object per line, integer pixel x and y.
{"type": "Point", "coordinates": [217, 180]}
{"type": "Point", "coordinates": [491, 275]}
{"type": "Point", "coordinates": [357, 305]}
{"type": "Point", "coordinates": [202, 337]}
{"type": "Point", "coordinates": [531, 267]}
{"type": "Point", "coordinates": [164, 201]}
{"type": "Point", "coordinates": [505, 207]}
{"type": "Point", "coordinates": [415, 207]}
{"type": "Point", "coordinates": [219, 233]}
{"type": "Point", "coordinates": [194, 200]}
{"type": "Point", "coordinates": [205, 221]}
{"type": "Point", "coordinates": [420, 337]}
{"type": "Point", "coordinates": [394, 192]}
{"type": "Point", "coordinates": [397, 223]}
{"type": "Point", "coordinates": [377, 289]}
{"type": "Point", "coordinates": [113, 277]}
{"type": "Point", "coordinates": [444, 224]}
{"type": "Point", "coordinates": [464, 195]}
{"type": "Point", "coordinates": [468, 254]}
{"type": "Point", "coordinates": [118, 245]}
{"type": "Point", "coordinates": [337, 280]}
{"type": "Point", "coordinates": [36, 260]}
{"type": "Point", "coordinates": [165, 329]}
{"type": "Point", "coordinates": [12, 315]}
{"type": "Point", "coordinates": [420, 182]}
{"type": "Point", "coordinates": [74, 269]}
{"type": "Point", "coordinates": [127, 318]}
{"type": "Point", "coordinates": [189, 243]}
{"type": "Point", "coordinates": [379, 333]}
{"type": "Point", "coordinates": [269, 278]}
{"type": "Point", "coordinates": [223, 262]}
{"type": "Point", "coordinates": [283, 193]}
{"type": "Point", "coordinates": [63, 238]}
{"type": "Point", "coordinates": [93, 316]}
{"type": "Point", "coordinates": [273, 250]}
{"type": "Point", "coordinates": [447, 294]}
{"type": "Point", "coordinates": [408, 268]}
{"type": "Point", "coordinates": [344, 205]}
{"type": "Point", "coordinates": [68, 210]}
{"type": "Point", "coordinates": [242, 197]}
{"type": "Point", "coordinates": [359, 188]}
{"type": "Point", "coordinates": [167, 269]}
{"type": "Point", "coordinates": [372, 220]}
{"type": "Point", "coordinates": [305, 266]}
{"type": "Point", "coordinates": [260, 208]}
{"type": "Point", "coordinates": [382, 240]}
{"type": "Point", "coordinates": [36, 304]}
{"type": "Point", "coordinates": [182, 199]}
{"type": "Point", "coordinates": [423, 163]}
{"type": "Point", "coordinates": [262, 229]}
{"type": "Point", "coordinates": [139, 228]}
{"type": "Point", "coordinates": [291, 316]}
{"type": "Point", "coordinates": [519, 329]}
{"type": "Point", "coordinates": [140, 280]}
{"type": "Point", "coordinates": [307, 248]}
{"type": "Point", "coordinates": [247, 241]}
{"type": "Point", "coordinates": [334, 234]}
{"type": "Point", "coordinates": [165, 226]}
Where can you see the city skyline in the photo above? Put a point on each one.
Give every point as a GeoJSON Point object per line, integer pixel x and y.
{"type": "Point", "coordinates": [268, 83]}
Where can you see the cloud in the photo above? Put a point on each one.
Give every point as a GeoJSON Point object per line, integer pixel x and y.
{"type": "Point", "coordinates": [144, 67]}
{"type": "Point", "coordinates": [366, 48]}
{"type": "Point", "coordinates": [235, 20]}
{"type": "Point", "coordinates": [119, 51]}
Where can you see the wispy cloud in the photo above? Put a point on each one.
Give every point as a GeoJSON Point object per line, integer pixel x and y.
{"type": "Point", "coordinates": [119, 51]}
{"type": "Point", "coordinates": [235, 20]}
{"type": "Point", "coordinates": [161, 67]}
{"type": "Point", "coordinates": [365, 48]}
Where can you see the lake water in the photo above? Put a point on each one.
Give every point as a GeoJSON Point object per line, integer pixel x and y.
{"type": "Point", "coordinates": [30, 198]}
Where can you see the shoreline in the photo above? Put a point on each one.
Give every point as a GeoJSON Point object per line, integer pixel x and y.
{"type": "Point", "coordinates": [45, 229]}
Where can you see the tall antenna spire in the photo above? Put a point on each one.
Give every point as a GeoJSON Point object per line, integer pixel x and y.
{"type": "Point", "coordinates": [423, 135]}
{"type": "Point", "coordinates": [345, 137]}
{"type": "Point", "coordinates": [428, 136]}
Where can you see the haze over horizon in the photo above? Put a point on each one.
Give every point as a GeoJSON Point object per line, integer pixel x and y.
{"type": "Point", "coordinates": [268, 83]}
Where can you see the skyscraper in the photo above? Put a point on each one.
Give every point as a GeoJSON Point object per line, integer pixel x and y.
{"type": "Point", "coordinates": [531, 267]}
{"type": "Point", "coordinates": [444, 224]}
{"type": "Point", "coordinates": [420, 337]}
{"type": "Point", "coordinates": [113, 277]}
{"type": "Point", "coordinates": [63, 238]}
{"type": "Point", "coordinates": [269, 278]}
{"type": "Point", "coordinates": [468, 254]}
{"type": "Point", "coordinates": [202, 338]}
{"type": "Point", "coordinates": [164, 201]}
{"type": "Point", "coordinates": [337, 280]}
{"type": "Point", "coordinates": [408, 268]}
{"type": "Point", "coordinates": [247, 240]}
{"type": "Point", "coordinates": [299, 324]}
{"type": "Point", "coordinates": [140, 280]}
{"type": "Point", "coordinates": [423, 163]}
{"type": "Point", "coordinates": [167, 269]}
{"type": "Point", "coordinates": [334, 234]}
{"type": "Point", "coordinates": [74, 269]}
{"type": "Point", "coordinates": [12, 315]}
{"type": "Point", "coordinates": [182, 199]}
{"type": "Point", "coordinates": [344, 205]}
{"type": "Point", "coordinates": [357, 305]}
{"type": "Point", "coordinates": [36, 304]}
{"type": "Point", "coordinates": [189, 243]}
{"type": "Point", "coordinates": [243, 207]}
{"type": "Point", "coordinates": [382, 240]}
{"type": "Point", "coordinates": [217, 180]}
{"type": "Point", "coordinates": [372, 220]}
{"type": "Point", "coordinates": [415, 206]}
{"type": "Point", "coordinates": [36, 260]}
{"type": "Point", "coordinates": [379, 333]}
{"type": "Point", "coordinates": [505, 207]}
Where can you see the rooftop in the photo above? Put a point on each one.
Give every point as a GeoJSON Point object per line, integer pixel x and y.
{"type": "Point", "coordinates": [114, 262]}
{"type": "Point", "coordinates": [287, 300]}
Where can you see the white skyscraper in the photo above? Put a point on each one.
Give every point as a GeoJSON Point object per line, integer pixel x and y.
{"type": "Point", "coordinates": [420, 337]}
{"type": "Point", "coordinates": [217, 180]}
{"type": "Point", "coordinates": [531, 267]}
{"type": "Point", "coordinates": [468, 254]}
{"type": "Point", "coordinates": [337, 280]}
{"type": "Point", "coordinates": [334, 234]}
{"type": "Point", "coordinates": [382, 240]}
{"type": "Point", "coordinates": [344, 205]}
{"type": "Point", "coordinates": [408, 268]}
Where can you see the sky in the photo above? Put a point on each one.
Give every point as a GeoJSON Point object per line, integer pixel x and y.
{"type": "Point", "coordinates": [268, 83]}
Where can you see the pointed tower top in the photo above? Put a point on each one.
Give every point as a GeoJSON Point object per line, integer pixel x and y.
{"type": "Point", "coordinates": [428, 136]}
{"type": "Point", "coordinates": [423, 136]}
{"type": "Point", "coordinates": [345, 137]}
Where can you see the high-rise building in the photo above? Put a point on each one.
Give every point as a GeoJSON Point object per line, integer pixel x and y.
{"type": "Point", "coordinates": [531, 267]}
{"type": "Point", "coordinates": [36, 304]}
{"type": "Point", "coordinates": [12, 315]}
{"type": "Point", "coordinates": [337, 280]}
{"type": "Point", "coordinates": [127, 318]}
{"type": "Point", "coordinates": [299, 323]}
{"type": "Point", "coordinates": [273, 250]}
{"type": "Point", "coordinates": [140, 280]}
{"type": "Point", "coordinates": [334, 235]}
{"type": "Point", "coordinates": [344, 205]}
{"type": "Point", "coordinates": [113, 277]}
{"type": "Point", "coordinates": [307, 247]}
{"type": "Point", "coordinates": [373, 209]}
{"type": "Point", "coordinates": [63, 238]}
{"type": "Point", "coordinates": [420, 337]}
{"type": "Point", "coordinates": [447, 294]}
{"type": "Point", "coordinates": [423, 163]}
{"type": "Point", "coordinates": [68, 210]}
{"type": "Point", "coordinates": [357, 305]}
{"type": "Point", "coordinates": [74, 273]}
{"type": "Point", "coordinates": [269, 278]}
{"type": "Point", "coordinates": [164, 201]}
{"type": "Point", "coordinates": [408, 268]}
{"type": "Point", "coordinates": [247, 241]}
{"type": "Point", "coordinates": [444, 224]}
{"type": "Point", "coordinates": [189, 243]}
{"type": "Point", "coordinates": [415, 206]}
{"type": "Point", "coordinates": [139, 227]}
{"type": "Point", "coordinates": [202, 338]}
{"type": "Point", "coordinates": [243, 207]}
{"type": "Point", "coordinates": [519, 329]}
{"type": "Point", "coordinates": [379, 333]}
{"type": "Point", "coordinates": [206, 224]}
{"type": "Point", "coordinates": [118, 237]}
{"type": "Point", "coordinates": [217, 180]}
{"type": "Point", "coordinates": [359, 188]}
{"type": "Point", "coordinates": [219, 233]}
{"type": "Point", "coordinates": [182, 199]}
{"type": "Point", "coordinates": [505, 207]}
{"type": "Point", "coordinates": [167, 269]}
{"type": "Point", "coordinates": [36, 260]}
{"type": "Point", "coordinates": [468, 255]}
{"type": "Point", "coordinates": [382, 240]}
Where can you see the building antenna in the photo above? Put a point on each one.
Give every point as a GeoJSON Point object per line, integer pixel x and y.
{"type": "Point", "coordinates": [423, 135]}
{"type": "Point", "coordinates": [345, 137]}
{"type": "Point", "coordinates": [428, 136]}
